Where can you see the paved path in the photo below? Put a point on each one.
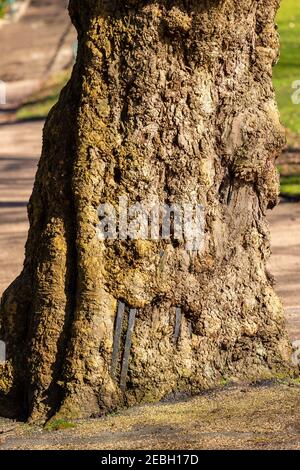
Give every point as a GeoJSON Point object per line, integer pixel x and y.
{"type": "Point", "coordinates": [38, 45]}
{"type": "Point", "coordinates": [285, 260]}
{"type": "Point", "coordinates": [29, 46]}
{"type": "Point", "coordinates": [19, 152]}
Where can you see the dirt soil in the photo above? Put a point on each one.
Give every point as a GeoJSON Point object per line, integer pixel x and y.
{"type": "Point", "coordinates": [240, 417]}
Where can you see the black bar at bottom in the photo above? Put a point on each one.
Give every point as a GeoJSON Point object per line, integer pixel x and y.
{"type": "Point", "coordinates": [136, 459]}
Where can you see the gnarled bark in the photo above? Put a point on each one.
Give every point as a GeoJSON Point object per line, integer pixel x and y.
{"type": "Point", "coordinates": [168, 99]}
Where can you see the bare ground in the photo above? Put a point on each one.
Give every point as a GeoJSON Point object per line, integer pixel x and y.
{"type": "Point", "coordinates": [240, 417]}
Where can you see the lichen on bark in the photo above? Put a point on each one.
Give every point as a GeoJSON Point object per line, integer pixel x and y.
{"type": "Point", "coordinates": [168, 99]}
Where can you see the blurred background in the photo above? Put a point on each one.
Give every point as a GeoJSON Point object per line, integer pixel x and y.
{"type": "Point", "coordinates": [38, 49]}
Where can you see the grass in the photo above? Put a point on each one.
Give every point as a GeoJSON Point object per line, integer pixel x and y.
{"type": "Point", "coordinates": [290, 185]}
{"type": "Point", "coordinates": [5, 5]}
{"type": "Point", "coordinates": [290, 180]}
{"type": "Point", "coordinates": [58, 425]}
{"type": "Point", "coordinates": [287, 71]}
{"type": "Point", "coordinates": [41, 102]}
{"type": "Point", "coordinates": [2, 8]}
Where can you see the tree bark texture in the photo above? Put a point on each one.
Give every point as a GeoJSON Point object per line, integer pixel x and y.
{"type": "Point", "coordinates": [170, 99]}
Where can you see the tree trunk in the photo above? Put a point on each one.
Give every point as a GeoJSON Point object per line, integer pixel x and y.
{"type": "Point", "coordinates": [172, 100]}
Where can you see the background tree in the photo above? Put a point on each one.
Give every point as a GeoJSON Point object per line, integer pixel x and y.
{"type": "Point", "coordinates": [168, 99]}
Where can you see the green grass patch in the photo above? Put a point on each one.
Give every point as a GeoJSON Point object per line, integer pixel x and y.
{"type": "Point", "coordinates": [295, 179]}
{"type": "Point", "coordinates": [2, 8]}
{"type": "Point", "coordinates": [290, 190]}
{"type": "Point", "coordinates": [39, 105]}
{"type": "Point", "coordinates": [6, 6]}
{"type": "Point", "coordinates": [287, 70]}
{"type": "Point", "coordinates": [58, 425]}
{"type": "Point", "coordinates": [290, 185]}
